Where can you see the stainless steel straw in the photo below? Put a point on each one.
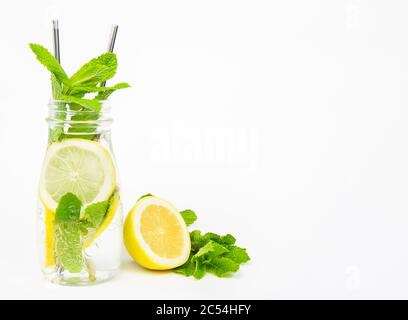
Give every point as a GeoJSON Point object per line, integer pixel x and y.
{"type": "Point", "coordinates": [111, 44]}
{"type": "Point", "coordinates": [112, 38]}
{"type": "Point", "coordinates": [56, 40]}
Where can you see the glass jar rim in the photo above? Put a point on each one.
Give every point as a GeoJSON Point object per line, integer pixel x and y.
{"type": "Point", "coordinates": [64, 107]}
{"type": "Point", "coordinates": [105, 104]}
{"type": "Point", "coordinates": [68, 101]}
{"type": "Point", "coordinates": [61, 112]}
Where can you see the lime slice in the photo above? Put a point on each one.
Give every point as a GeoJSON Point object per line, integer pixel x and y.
{"type": "Point", "coordinates": [82, 167]}
{"type": "Point", "coordinates": [156, 235]}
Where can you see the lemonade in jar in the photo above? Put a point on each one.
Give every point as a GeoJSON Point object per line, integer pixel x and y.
{"type": "Point", "coordinates": [79, 215]}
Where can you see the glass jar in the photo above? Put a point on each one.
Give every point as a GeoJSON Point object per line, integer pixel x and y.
{"type": "Point", "coordinates": [79, 210]}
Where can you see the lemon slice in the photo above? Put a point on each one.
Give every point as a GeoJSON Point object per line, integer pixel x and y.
{"type": "Point", "coordinates": [113, 208]}
{"type": "Point", "coordinates": [49, 238]}
{"type": "Point", "coordinates": [156, 235]}
{"type": "Point", "coordinates": [80, 166]}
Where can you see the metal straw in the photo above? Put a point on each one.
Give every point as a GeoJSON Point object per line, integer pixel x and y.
{"type": "Point", "coordinates": [111, 44]}
{"type": "Point", "coordinates": [56, 40]}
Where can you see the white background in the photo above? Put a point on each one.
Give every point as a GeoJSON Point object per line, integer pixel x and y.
{"type": "Point", "coordinates": [281, 122]}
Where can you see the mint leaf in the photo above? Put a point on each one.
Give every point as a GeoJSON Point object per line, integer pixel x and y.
{"type": "Point", "coordinates": [221, 266]}
{"type": "Point", "coordinates": [198, 240]}
{"type": "Point", "coordinates": [237, 254]}
{"type": "Point", "coordinates": [199, 271]}
{"type": "Point", "coordinates": [95, 213]}
{"type": "Point", "coordinates": [56, 87]}
{"type": "Point", "coordinates": [189, 216]}
{"type": "Point", "coordinates": [49, 61]}
{"type": "Point", "coordinates": [69, 209]}
{"type": "Point", "coordinates": [86, 103]}
{"type": "Point", "coordinates": [104, 94]}
{"type": "Point", "coordinates": [228, 239]}
{"type": "Point", "coordinates": [209, 251]}
{"type": "Point", "coordinates": [68, 246]}
{"type": "Point", "coordinates": [79, 91]}
{"type": "Point", "coordinates": [204, 256]}
{"type": "Point", "coordinates": [187, 269]}
{"type": "Point", "coordinates": [96, 70]}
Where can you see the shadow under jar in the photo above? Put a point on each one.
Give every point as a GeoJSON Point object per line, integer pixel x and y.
{"type": "Point", "coordinates": [79, 211]}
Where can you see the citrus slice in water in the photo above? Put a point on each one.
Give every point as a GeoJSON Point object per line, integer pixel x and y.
{"type": "Point", "coordinates": [80, 166]}
{"type": "Point", "coordinates": [156, 235]}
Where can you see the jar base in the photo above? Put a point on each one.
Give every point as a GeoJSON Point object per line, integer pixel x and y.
{"type": "Point", "coordinates": [66, 278]}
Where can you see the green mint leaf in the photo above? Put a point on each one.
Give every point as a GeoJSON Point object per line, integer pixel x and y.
{"type": "Point", "coordinates": [228, 239]}
{"type": "Point", "coordinates": [198, 240]}
{"type": "Point", "coordinates": [187, 269]}
{"type": "Point", "coordinates": [221, 266]}
{"type": "Point", "coordinates": [68, 209]}
{"type": "Point", "coordinates": [237, 254]}
{"type": "Point", "coordinates": [95, 213]}
{"type": "Point", "coordinates": [68, 246]}
{"type": "Point", "coordinates": [200, 270]}
{"type": "Point", "coordinates": [86, 103]}
{"type": "Point", "coordinates": [96, 70]}
{"type": "Point", "coordinates": [208, 252]}
{"type": "Point", "coordinates": [56, 87]}
{"type": "Point", "coordinates": [118, 86]}
{"type": "Point", "coordinates": [189, 216]}
{"type": "Point", "coordinates": [79, 91]}
{"type": "Point", "coordinates": [49, 61]}
{"type": "Point", "coordinates": [104, 94]}
{"type": "Point", "coordinates": [205, 255]}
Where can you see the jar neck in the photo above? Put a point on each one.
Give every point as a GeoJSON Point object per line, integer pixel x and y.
{"type": "Point", "coordinates": [74, 119]}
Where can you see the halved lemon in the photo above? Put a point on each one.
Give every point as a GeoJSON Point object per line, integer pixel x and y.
{"type": "Point", "coordinates": [156, 235]}
{"type": "Point", "coordinates": [113, 208]}
{"type": "Point", "coordinates": [80, 166]}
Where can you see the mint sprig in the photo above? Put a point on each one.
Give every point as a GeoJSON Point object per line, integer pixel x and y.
{"type": "Point", "coordinates": [211, 253]}
{"type": "Point", "coordinates": [86, 80]}
{"type": "Point", "coordinates": [70, 230]}
{"type": "Point", "coordinates": [68, 247]}
{"type": "Point", "coordinates": [83, 91]}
